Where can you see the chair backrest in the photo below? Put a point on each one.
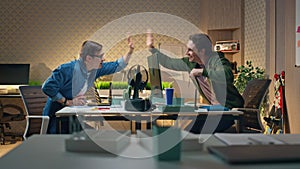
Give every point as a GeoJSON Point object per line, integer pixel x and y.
{"type": "Point", "coordinates": [253, 95]}
{"type": "Point", "coordinates": [34, 101]}
{"type": "Point", "coordinates": [255, 92]}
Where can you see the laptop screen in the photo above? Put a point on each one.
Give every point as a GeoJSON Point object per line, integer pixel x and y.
{"type": "Point", "coordinates": [155, 76]}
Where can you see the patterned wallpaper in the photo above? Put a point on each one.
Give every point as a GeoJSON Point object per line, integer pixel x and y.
{"type": "Point", "coordinates": [49, 33]}
{"type": "Point", "coordinates": [255, 32]}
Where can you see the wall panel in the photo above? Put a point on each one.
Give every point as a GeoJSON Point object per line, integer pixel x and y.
{"type": "Point", "coordinates": [48, 33]}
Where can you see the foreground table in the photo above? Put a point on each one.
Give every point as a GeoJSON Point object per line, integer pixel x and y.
{"type": "Point", "coordinates": [48, 152]}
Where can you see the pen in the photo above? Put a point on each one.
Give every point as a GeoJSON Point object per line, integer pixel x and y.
{"type": "Point", "coordinates": [103, 108]}
{"type": "Point", "coordinates": [100, 108]}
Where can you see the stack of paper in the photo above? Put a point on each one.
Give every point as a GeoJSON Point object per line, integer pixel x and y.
{"type": "Point", "coordinates": [246, 139]}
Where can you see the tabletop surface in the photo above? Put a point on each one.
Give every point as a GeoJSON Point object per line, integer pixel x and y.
{"type": "Point", "coordinates": [48, 152]}
{"type": "Point", "coordinates": [81, 110]}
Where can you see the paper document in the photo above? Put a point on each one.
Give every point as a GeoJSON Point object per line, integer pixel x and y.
{"type": "Point", "coordinates": [247, 139]}
{"type": "Point", "coordinates": [201, 110]}
{"type": "Point", "coordinates": [288, 138]}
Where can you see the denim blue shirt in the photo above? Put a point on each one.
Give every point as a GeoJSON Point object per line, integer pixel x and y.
{"type": "Point", "coordinates": [69, 78]}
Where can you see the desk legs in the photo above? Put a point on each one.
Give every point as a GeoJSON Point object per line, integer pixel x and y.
{"type": "Point", "coordinates": [73, 125]}
{"type": "Point", "coordinates": [239, 124]}
{"type": "Point", "coordinates": [138, 120]}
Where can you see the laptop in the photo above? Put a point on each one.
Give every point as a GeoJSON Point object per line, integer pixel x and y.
{"type": "Point", "coordinates": [257, 153]}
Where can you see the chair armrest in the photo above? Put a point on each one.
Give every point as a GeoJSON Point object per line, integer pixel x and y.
{"type": "Point", "coordinates": [38, 117]}
{"type": "Point", "coordinates": [44, 125]}
{"type": "Point", "coordinates": [45, 122]}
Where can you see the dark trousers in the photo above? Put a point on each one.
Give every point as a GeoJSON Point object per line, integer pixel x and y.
{"type": "Point", "coordinates": [210, 124]}
{"type": "Point", "coordinates": [58, 125]}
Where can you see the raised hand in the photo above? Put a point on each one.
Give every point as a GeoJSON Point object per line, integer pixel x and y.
{"type": "Point", "coordinates": [130, 43]}
{"type": "Point", "coordinates": [150, 39]}
{"type": "Point", "coordinates": [131, 48]}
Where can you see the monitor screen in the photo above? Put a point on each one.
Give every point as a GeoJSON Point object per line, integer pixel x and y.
{"type": "Point", "coordinates": [14, 74]}
{"type": "Point", "coordinates": [155, 76]}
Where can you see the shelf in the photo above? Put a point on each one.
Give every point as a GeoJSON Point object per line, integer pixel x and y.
{"type": "Point", "coordinates": [229, 51]}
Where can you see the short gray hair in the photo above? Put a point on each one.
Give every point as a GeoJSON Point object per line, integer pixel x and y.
{"type": "Point", "coordinates": [89, 48]}
{"type": "Point", "coordinates": [202, 41]}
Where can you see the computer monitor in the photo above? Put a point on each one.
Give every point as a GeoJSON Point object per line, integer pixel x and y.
{"type": "Point", "coordinates": [155, 76]}
{"type": "Point", "coordinates": [14, 74]}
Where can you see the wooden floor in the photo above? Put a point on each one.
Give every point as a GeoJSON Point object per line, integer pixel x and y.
{"type": "Point", "coordinates": [8, 147]}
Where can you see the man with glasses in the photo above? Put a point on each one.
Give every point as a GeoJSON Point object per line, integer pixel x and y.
{"type": "Point", "coordinates": [68, 83]}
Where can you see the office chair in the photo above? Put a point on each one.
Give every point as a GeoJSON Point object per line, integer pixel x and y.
{"type": "Point", "coordinates": [253, 95]}
{"type": "Point", "coordinates": [5, 118]}
{"type": "Point", "coordinates": [34, 101]}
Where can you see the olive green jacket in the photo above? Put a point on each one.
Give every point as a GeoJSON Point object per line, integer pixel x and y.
{"type": "Point", "coordinates": [217, 70]}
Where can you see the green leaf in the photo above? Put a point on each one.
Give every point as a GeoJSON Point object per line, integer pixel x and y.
{"type": "Point", "coordinates": [247, 73]}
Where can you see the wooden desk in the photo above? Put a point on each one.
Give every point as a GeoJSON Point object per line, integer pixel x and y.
{"type": "Point", "coordinates": [48, 152]}
{"type": "Point", "coordinates": [101, 113]}
{"type": "Point", "coordinates": [118, 113]}
{"type": "Point", "coordinates": [10, 96]}
{"type": "Point", "coordinates": [17, 127]}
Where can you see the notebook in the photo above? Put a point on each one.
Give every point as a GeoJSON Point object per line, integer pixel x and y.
{"type": "Point", "coordinates": [257, 153]}
{"type": "Point", "coordinates": [214, 107]}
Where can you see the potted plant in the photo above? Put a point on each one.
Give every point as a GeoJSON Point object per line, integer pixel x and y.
{"type": "Point", "coordinates": [247, 73]}
{"type": "Point", "coordinates": [124, 85]}
{"type": "Point", "coordinates": [35, 83]}
{"type": "Point", "coordinates": [118, 87]}
{"type": "Point", "coordinates": [167, 85]}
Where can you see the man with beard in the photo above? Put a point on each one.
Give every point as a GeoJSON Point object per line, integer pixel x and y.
{"type": "Point", "coordinates": [211, 73]}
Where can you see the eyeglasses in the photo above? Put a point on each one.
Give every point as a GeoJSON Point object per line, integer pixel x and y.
{"type": "Point", "coordinates": [190, 50]}
{"type": "Point", "coordinates": [98, 56]}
